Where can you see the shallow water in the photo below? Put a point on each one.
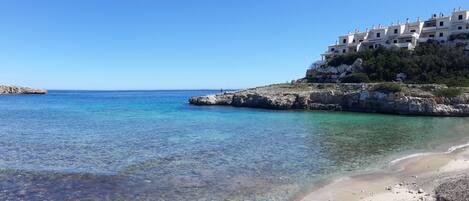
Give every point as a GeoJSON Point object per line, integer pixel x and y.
{"type": "Point", "coordinates": [152, 145]}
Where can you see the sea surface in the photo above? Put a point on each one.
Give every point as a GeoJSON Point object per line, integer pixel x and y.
{"type": "Point", "coordinates": [153, 145]}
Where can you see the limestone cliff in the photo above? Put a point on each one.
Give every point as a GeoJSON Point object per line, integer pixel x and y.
{"type": "Point", "coordinates": [412, 100]}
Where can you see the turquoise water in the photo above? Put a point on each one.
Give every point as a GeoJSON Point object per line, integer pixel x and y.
{"type": "Point", "coordinates": [152, 145]}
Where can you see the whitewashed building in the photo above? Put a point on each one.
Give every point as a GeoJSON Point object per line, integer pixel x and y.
{"type": "Point", "coordinates": [402, 35]}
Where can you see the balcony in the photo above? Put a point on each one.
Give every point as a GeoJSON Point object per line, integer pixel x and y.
{"type": "Point", "coordinates": [457, 31]}
{"type": "Point", "coordinates": [409, 35]}
{"type": "Point", "coordinates": [429, 29]}
{"type": "Point", "coordinates": [425, 39]}
{"type": "Point", "coordinates": [376, 40]}
{"type": "Point", "coordinates": [403, 45]}
{"type": "Point", "coordinates": [456, 23]}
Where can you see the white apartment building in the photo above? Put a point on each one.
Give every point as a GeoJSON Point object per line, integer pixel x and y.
{"type": "Point", "coordinates": [402, 35]}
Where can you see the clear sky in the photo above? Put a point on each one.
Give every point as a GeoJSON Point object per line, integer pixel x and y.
{"type": "Point", "coordinates": [181, 44]}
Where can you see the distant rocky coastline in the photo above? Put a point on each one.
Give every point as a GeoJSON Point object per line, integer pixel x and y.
{"type": "Point", "coordinates": [409, 99]}
{"type": "Point", "coordinates": [5, 89]}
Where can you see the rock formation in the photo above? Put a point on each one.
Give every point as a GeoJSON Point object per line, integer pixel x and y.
{"type": "Point", "coordinates": [454, 190]}
{"type": "Point", "coordinates": [332, 74]}
{"type": "Point", "coordinates": [412, 100]}
{"type": "Point", "coordinates": [4, 89]}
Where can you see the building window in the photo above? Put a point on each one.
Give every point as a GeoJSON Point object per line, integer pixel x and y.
{"type": "Point", "coordinates": [412, 31]}
{"type": "Point", "coordinates": [441, 34]}
{"type": "Point", "coordinates": [371, 47]}
{"type": "Point", "coordinates": [344, 41]}
{"type": "Point", "coordinates": [360, 40]}
{"type": "Point", "coordinates": [395, 31]}
{"type": "Point", "coordinates": [408, 40]}
{"type": "Point", "coordinates": [332, 49]}
{"type": "Point", "coordinates": [353, 41]}
{"type": "Point", "coordinates": [378, 35]}
{"type": "Point", "coordinates": [460, 17]}
{"type": "Point", "coordinates": [459, 28]}
{"type": "Point", "coordinates": [395, 41]}
{"type": "Point", "coordinates": [442, 23]}
{"type": "Point", "coordinates": [431, 36]}
{"type": "Point", "coordinates": [343, 51]}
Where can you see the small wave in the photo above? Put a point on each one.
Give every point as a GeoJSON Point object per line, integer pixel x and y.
{"type": "Point", "coordinates": [454, 148]}
{"type": "Point", "coordinates": [410, 156]}
{"type": "Point", "coordinates": [450, 150]}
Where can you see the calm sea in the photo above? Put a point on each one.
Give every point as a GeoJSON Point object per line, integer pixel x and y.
{"type": "Point", "coordinates": [153, 145]}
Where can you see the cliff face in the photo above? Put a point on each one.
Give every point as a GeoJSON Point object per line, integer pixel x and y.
{"type": "Point", "coordinates": [413, 100]}
{"type": "Point", "coordinates": [333, 74]}
{"type": "Point", "coordinates": [20, 90]}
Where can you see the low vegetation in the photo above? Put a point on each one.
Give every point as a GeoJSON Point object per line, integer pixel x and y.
{"type": "Point", "coordinates": [388, 87]}
{"type": "Point", "coordinates": [448, 92]}
{"type": "Point", "coordinates": [355, 78]}
{"type": "Point", "coordinates": [428, 63]}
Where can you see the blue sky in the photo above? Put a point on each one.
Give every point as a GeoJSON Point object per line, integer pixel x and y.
{"type": "Point", "coordinates": [180, 44]}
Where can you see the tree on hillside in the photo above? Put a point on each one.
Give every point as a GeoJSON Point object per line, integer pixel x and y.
{"type": "Point", "coordinates": [427, 63]}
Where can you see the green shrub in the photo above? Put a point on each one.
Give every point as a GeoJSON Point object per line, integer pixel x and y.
{"type": "Point", "coordinates": [448, 92]}
{"type": "Point", "coordinates": [347, 59]}
{"type": "Point", "coordinates": [456, 82]}
{"type": "Point", "coordinates": [427, 63]}
{"type": "Point", "coordinates": [355, 78]}
{"type": "Point", "coordinates": [388, 87]}
{"type": "Point", "coordinates": [461, 36]}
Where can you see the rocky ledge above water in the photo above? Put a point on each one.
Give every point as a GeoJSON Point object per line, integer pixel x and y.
{"type": "Point", "coordinates": [4, 89]}
{"type": "Point", "coordinates": [413, 99]}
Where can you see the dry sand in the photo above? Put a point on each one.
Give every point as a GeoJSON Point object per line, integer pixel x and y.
{"type": "Point", "coordinates": [409, 179]}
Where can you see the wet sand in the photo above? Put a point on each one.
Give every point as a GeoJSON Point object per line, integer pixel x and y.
{"type": "Point", "coordinates": [408, 179]}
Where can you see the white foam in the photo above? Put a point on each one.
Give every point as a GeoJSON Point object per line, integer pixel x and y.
{"type": "Point", "coordinates": [454, 148]}
{"type": "Point", "coordinates": [450, 150]}
{"type": "Point", "coordinates": [410, 156]}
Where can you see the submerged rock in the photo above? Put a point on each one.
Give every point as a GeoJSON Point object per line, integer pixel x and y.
{"type": "Point", "coordinates": [412, 100]}
{"type": "Point", "coordinates": [4, 89]}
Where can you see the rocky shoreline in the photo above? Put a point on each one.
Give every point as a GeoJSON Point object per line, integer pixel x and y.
{"type": "Point", "coordinates": [5, 89]}
{"type": "Point", "coordinates": [413, 99]}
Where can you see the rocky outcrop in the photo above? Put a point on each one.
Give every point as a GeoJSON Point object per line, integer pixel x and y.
{"type": "Point", "coordinates": [457, 189]}
{"type": "Point", "coordinates": [332, 74]}
{"type": "Point", "coordinates": [4, 89]}
{"type": "Point", "coordinates": [412, 100]}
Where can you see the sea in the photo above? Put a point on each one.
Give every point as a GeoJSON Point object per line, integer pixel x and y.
{"type": "Point", "coordinates": [153, 145]}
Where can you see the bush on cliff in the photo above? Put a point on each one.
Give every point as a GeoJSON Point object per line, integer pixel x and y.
{"type": "Point", "coordinates": [448, 92]}
{"type": "Point", "coordinates": [347, 59]}
{"type": "Point", "coordinates": [355, 78]}
{"type": "Point", "coordinates": [461, 36]}
{"type": "Point", "coordinates": [428, 63]}
{"type": "Point", "coordinates": [388, 87]}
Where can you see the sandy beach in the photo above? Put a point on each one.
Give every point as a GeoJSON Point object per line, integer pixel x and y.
{"type": "Point", "coordinates": [410, 178]}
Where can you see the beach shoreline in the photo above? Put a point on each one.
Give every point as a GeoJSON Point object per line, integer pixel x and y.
{"type": "Point", "coordinates": [411, 177]}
